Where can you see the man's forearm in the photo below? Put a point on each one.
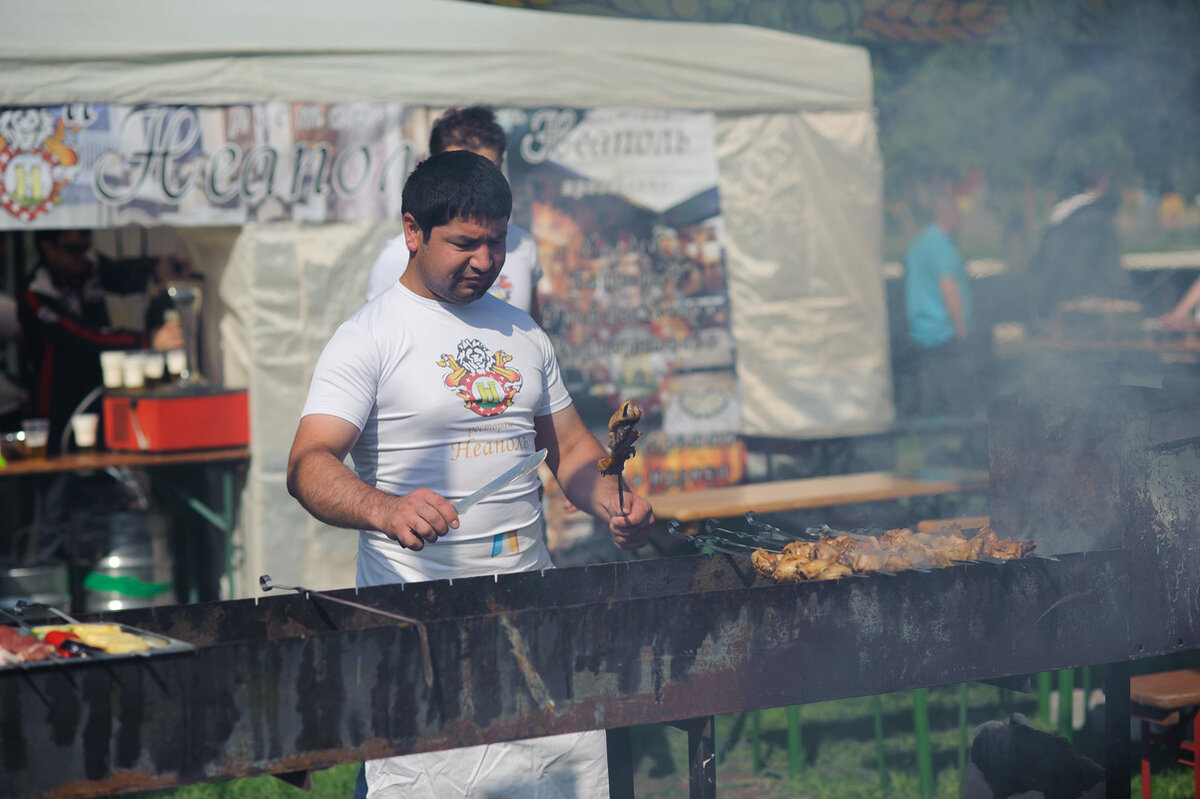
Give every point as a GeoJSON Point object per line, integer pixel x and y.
{"type": "Point", "coordinates": [1188, 302]}
{"type": "Point", "coordinates": [333, 493]}
{"type": "Point", "coordinates": [581, 480]}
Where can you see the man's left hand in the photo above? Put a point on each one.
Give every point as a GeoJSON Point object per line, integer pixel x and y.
{"type": "Point", "coordinates": [167, 337]}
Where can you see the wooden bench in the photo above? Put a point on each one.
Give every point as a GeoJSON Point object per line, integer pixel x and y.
{"type": "Point", "coordinates": [1168, 700]}
{"type": "Point", "coordinates": [689, 507]}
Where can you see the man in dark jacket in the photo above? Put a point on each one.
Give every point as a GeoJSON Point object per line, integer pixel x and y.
{"type": "Point", "coordinates": [1079, 255]}
{"type": "Point", "coordinates": [66, 326]}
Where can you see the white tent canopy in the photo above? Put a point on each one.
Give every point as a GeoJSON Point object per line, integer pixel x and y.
{"type": "Point", "coordinates": [800, 185]}
{"type": "Point", "coordinates": [426, 52]}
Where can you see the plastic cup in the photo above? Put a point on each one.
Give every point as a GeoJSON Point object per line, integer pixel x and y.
{"type": "Point", "coordinates": [134, 373]}
{"type": "Point", "coordinates": [153, 368]}
{"type": "Point", "coordinates": [37, 434]}
{"type": "Point", "coordinates": [176, 361]}
{"type": "Point", "coordinates": [84, 427]}
{"type": "Point", "coordinates": [112, 364]}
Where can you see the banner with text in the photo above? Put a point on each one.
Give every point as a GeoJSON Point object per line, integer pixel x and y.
{"type": "Point", "coordinates": [100, 165]}
{"type": "Point", "coordinates": [624, 206]}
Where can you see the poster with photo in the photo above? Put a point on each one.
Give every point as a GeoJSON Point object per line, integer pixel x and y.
{"type": "Point", "coordinates": [624, 206]}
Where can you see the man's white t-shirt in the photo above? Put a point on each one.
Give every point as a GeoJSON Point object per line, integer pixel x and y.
{"type": "Point", "coordinates": [445, 397]}
{"type": "Point", "coordinates": [516, 285]}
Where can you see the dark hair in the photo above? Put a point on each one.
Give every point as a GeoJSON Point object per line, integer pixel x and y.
{"type": "Point", "coordinates": [455, 185]}
{"type": "Point", "coordinates": [468, 128]}
{"type": "Point", "coordinates": [1087, 177]}
{"type": "Point", "coordinates": [45, 236]}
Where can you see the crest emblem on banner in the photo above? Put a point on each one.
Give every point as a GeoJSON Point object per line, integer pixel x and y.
{"type": "Point", "coordinates": [36, 161]}
{"type": "Point", "coordinates": [480, 378]}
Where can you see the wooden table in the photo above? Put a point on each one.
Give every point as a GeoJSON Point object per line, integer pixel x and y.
{"type": "Point", "coordinates": [1184, 348]}
{"type": "Point", "coordinates": [834, 450]}
{"type": "Point", "coordinates": [810, 492]}
{"type": "Point", "coordinates": [223, 517]}
{"type": "Point", "coordinates": [87, 461]}
{"type": "Point", "coordinates": [1169, 700]}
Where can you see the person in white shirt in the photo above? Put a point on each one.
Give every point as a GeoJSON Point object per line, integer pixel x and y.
{"type": "Point", "coordinates": [473, 129]}
{"type": "Point", "coordinates": [433, 388]}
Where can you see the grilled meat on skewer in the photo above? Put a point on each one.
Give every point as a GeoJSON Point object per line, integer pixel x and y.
{"type": "Point", "coordinates": [622, 435]}
{"type": "Point", "coordinates": [895, 550]}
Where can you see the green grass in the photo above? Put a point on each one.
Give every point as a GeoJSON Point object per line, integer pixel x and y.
{"type": "Point", "coordinates": [1175, 782]}
{"type": "Point", "coordinates": [839, 755]}
{"type": "Point", "coordinates": [840, 759]}
{"type": "Point", "coordinates": [333, 783]}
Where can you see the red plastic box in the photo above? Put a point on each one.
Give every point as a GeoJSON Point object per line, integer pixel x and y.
{"type": "Point", "coordinates": [169, 422]}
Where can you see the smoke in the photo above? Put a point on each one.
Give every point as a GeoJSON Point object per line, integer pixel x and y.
{"type": "Point", "coordinates": [1081, 90]}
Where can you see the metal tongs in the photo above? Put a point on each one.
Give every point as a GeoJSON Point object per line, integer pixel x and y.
{"type": "Point", "coordinates": [723, 539]}
{"type": "Point", "coordinates": [761, 535]}
{"type": "Point", "coordinates": [22, 604]}
{"type": "Point", "coordinates": [714, 538]}
{"type": "Point", "coordinates": [265, 584]}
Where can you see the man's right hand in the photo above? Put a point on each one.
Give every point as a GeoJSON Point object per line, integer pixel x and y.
{"type": "Point", "coordinates": [418, 518]}
{"type": "Point", "coordinates": [331, 491]}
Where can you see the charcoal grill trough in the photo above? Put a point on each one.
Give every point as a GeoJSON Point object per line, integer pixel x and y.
{"type": "Point", "coordinates": [287, 683]}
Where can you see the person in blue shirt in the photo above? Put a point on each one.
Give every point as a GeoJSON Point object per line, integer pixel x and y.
{"type": "Point", "coordinates": [937, 296]}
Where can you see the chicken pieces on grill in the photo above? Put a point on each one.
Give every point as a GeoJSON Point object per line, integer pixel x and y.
{"type": "Point", "coordinates": [895, 550]}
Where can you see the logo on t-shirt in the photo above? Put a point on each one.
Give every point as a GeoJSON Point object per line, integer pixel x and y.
{"type": "Point", "coordinates": [481, 378]}
{"type": "Point", "coordinates": [502, 288]}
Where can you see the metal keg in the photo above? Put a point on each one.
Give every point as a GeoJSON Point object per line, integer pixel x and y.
{"type": "Point", "coordinates": [135, 568]}
{"type": "Point", "coordinates": [41, 582]}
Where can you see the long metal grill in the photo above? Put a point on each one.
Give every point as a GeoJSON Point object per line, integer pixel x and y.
{"type": "Point", "coordinates": [287, 683]}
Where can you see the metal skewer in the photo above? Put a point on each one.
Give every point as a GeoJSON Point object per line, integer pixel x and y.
{"type": "Point", "coordinates": [265, 583]}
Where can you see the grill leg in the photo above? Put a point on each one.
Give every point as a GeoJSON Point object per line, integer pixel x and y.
{"type": "Point", "coordinates": [299, 779]}
{"type": "Point", "coordinates": [963, 742]}
{"type": "Point", "coordinates": [1116, 715]}
{"type": "Point", "coordinates": [702, 768]}
{"type": "Point", "coordinates": [620, 763]}
{"type": "Point", "coordinates": [1086, 683]}
{"type": "Point", "coordinates": [755, 730]}
{"type": "Point", "coordinates": [1066, 704]}
{"type": "Point", "coordinates": [924, 751]}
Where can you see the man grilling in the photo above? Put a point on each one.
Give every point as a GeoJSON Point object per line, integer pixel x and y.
{"type": "Point", "coordinates": [435, 387]}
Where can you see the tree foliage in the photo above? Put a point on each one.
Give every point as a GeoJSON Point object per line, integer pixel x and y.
{"type": "Point", "coordinates": [1032, 115]}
